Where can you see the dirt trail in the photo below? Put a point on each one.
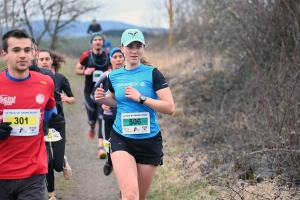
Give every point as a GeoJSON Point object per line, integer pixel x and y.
{"type": "Point", "coordinates": [88, 181]}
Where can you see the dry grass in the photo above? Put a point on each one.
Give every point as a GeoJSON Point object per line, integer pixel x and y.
{"type": "Point", "coordinates": [191, 171]}
{"type": "Point", "coordinates": [265, 190]}
{"type": "Point", "coordinates": [180, 177]}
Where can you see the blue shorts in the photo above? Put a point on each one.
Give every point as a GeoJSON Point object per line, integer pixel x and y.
{"type": "Point", "coordinates": [145, 151]}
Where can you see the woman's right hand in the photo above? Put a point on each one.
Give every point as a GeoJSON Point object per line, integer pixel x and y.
{"type": "Point", "coordinates": [99, 94]}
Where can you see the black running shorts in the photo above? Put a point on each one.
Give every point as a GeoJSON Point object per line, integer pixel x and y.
{"type": "Point", "coordinates": [32, 188]}
{"type": "Point", "coordinates": [145, 151]}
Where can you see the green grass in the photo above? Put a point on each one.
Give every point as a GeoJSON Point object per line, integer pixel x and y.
{"type": "Point", "coordinates": [182, 191]}
{"type": "Point", "coordinates": [75, 46]}
{"type": "Point", "coordinates": [2, 64]}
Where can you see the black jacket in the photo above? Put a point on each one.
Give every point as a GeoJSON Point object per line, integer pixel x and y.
{"type": "Point", "coordinates": [94, 28]}
{"type": "Point", "coordinates": [34, 67]}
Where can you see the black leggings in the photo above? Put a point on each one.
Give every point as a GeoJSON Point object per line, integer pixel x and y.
{"type": "Point", "coordinates": [55, 161]}
{"type": "Point", "coordinates": [107, 124]}
{"type": "Point", "coordinates": [94, 113]}
{"type": "Point", "coordinates": [106, 127]}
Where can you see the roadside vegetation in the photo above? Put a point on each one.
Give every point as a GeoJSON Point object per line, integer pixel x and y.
{"type": "Point", "coordinates": [234, 74]}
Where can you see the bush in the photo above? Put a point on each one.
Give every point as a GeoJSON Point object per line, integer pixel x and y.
{"type": "Point", "coordinates": [254, 104]}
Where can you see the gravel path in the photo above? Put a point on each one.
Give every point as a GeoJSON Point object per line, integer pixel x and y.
{"type": "Point", "coordinates": [88, 181]}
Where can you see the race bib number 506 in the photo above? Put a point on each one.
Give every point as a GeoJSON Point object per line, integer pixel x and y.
{"type": "Point", "coordinates": [135, 123]}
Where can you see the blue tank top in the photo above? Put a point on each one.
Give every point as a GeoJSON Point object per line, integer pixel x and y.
{"type": "Point", "coordinates": [141, 79]}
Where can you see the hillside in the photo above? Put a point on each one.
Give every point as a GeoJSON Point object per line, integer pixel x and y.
{"type": "Point", "coordinates": [79, 29]}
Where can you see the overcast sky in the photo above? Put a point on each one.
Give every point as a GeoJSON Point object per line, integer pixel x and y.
{"type": "Point", "coordinates": [147, 13]}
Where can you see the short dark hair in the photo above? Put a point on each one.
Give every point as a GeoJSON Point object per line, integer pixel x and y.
{"type": "Point", "coordinates": [16, 33]}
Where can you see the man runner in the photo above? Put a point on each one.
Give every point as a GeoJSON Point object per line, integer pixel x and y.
{"type": "Point", "coordinates": [92, 64]}
{"type": "Point", "coordinates": [25, 101]}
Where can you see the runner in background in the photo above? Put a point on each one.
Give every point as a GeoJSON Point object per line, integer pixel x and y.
{"type": "Point", "coordinates": [107, 44]}
{"type": "Point", "coordinates": [94, 27]}
{"type": "Point", "coordinates": [92, 64]}
{"type": "Point", "coordinates": [25, 102]}
{"type": "Point", "coordinates": [36, 68]}
{"type": "Point", "coordinates": [117, 61]}
{"type": "Point", "coordinates": [52, 61]}
{"type": "Point", "coordinates": [139, 90]}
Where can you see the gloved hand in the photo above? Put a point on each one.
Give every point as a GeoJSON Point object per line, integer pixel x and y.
{"type": "Point", "coordinates": [5, 130]}
{"type": "Point", "coordinates": [57, 122]}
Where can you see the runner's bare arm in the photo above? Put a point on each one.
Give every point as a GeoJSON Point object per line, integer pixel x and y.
{"type": "Point", "coordinates": [65, 98]}
{"type": "Point", "coordinates": [110, 100]}
{"type": "Point", "coordinates": [164, 103]}
{"type": "Point", "coordinates": [79, 69]}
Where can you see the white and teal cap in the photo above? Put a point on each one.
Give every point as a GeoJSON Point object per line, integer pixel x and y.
{"type": "Point", "coordinates": [132, 35]}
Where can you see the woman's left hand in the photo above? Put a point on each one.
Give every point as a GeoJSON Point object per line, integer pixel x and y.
{"type": "Point", "coordinates": [132, 93]}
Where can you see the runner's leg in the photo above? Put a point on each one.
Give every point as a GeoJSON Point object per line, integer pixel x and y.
{"type": "Point", "coordinates": [59, 151]}
{"type": "Point", "coordinates": [108, 123]}
{"type": "Point", "coordinates": [91, 109]}
{"type": "Point", "coordinates": [50, 174]}
{"type": "Point", "coordinates": [126, 173]}
{"type": "Point", "coordinates": [107, 168]}
{"type": "Point", "coordinates": [101, 151]}
{"type": "Point", "coordinates": [7, 188]}
{"type": "Point", "coordinates": [145, 178]}
{"type": "Point", "coordinates": [32, 188]}
{"type": "Point", "coordinates": [124, 165]}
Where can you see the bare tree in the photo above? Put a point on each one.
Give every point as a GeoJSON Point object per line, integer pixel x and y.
{"type": "Point", "coordinates": [65, 12]}
{"type": "Point", "coordinates": [9, 15]}
{"type": "Point", "coordinates": [169, 6]}
{"type": "Point", "coordinates": [57, 16]}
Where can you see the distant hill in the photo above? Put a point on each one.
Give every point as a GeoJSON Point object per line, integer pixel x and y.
{"type": "Point", "coordinates": [79, 29]}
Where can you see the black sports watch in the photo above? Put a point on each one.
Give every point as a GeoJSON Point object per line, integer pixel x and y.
{"type": "Point", "coordinates": [142, 98]}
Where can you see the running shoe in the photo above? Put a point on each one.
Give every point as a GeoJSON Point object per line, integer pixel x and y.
{"type": "Point", "coordinates": [92, 132]}
{"type": "Point", "coordinates": [101, 153]}
{"type": "Point", "coordinates": [67, 171]}
{"type": "Point", "coordinates": [54, 198]}
{"type": "Point", "coordinates": [107, 169]}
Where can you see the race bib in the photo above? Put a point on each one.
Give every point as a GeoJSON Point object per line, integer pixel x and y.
{"type": "Point", "coordinates": [96, 75]}
{"type": "Point", "coordinates": [25, 122]}
{"type": "Point", "coordinates": [53, 136]}
{"type": "Point", "coordinates": [135, 123]}
{"type": "Point", "coordinates": [106, 145]}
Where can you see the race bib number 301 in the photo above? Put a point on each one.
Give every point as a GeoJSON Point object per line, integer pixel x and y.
{"type": "Point", "coordinates": [135, 123]}
{"type": "Point", "coordinates": [25, 122]}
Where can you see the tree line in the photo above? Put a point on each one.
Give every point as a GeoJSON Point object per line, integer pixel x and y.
{"type": "Point", "coordinates": [56, 15]}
